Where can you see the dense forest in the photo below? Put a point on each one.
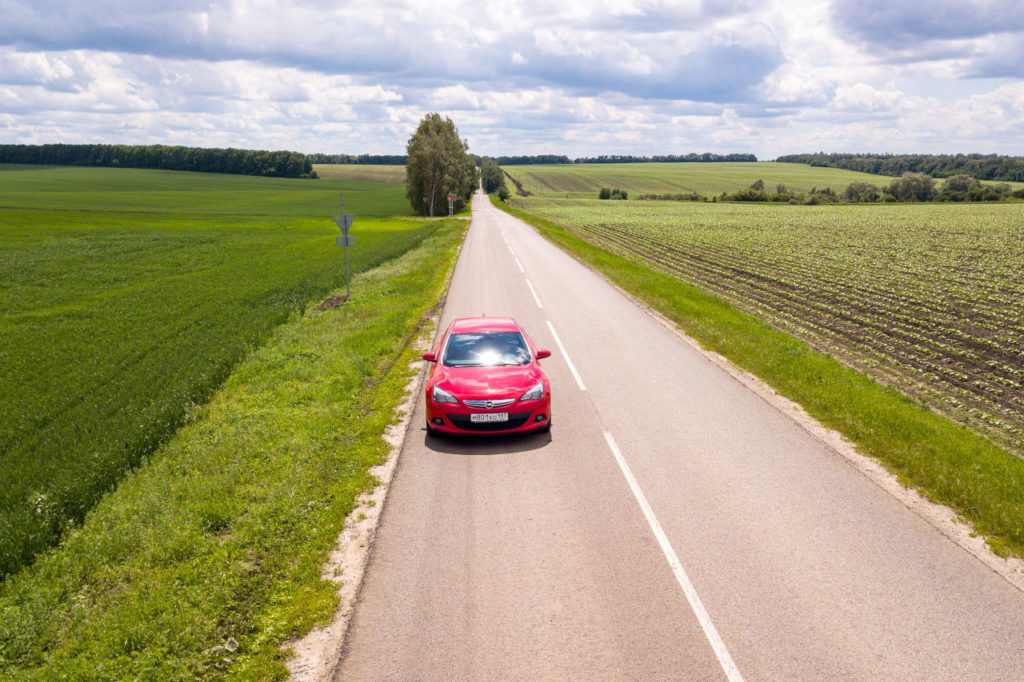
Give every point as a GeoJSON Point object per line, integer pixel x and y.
{"type": "Point", "coordinates": [980, 166]}
{"type": "Point", "coordinates": [706, 157]}
{"type": "Point", "coordinates": [368, 159]}
{"type": "Point", "coordinates": [235, 161]}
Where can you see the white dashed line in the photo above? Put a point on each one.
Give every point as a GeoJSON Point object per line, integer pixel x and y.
{"type": "Point", "coordinates": [568, 360]}
{"type": "Point", "coordinates": [724, 659]}
{"type": "Point", "coordinates": [520, 266]}
{"type": "Point", "coordinates": [532, 291]}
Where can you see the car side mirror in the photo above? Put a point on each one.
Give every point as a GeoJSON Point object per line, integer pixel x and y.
{"type": "Point", "coordinates": [430, 357]}
{"type": "Point", "coordinates": [543, 353]}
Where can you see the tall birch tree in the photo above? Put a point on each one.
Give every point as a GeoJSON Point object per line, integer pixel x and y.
{"type": "Point", "coordinates": [439, 164]}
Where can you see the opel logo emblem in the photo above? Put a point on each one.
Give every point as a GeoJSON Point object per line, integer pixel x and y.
{"type": "Point", "coordinates": [489, 404]}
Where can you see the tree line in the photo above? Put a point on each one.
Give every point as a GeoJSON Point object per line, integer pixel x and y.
{"type": "Point", "coordinates": [280, 164]}
{"type": "Point", "coordinates": [980, 166]}
{"type": "Point", "coordinates": [369, 159]}
{"type": "Point", "coordinates": [531, 160]}
{"type": "Point", "coordinates": [706, 157]}
{"type": "Point", "coordinates": [548, 159]}
{"type": "Point", "coordinates": [909, 187]}
{"type": "Point", "coordinates": [492, 179]}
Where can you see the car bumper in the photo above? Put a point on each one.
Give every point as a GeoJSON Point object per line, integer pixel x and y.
{"type": "Point", "coordinates": [449, 418]}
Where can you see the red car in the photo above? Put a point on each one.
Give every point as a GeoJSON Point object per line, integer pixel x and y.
{"type": "Point", "coordinates": [486, 378]}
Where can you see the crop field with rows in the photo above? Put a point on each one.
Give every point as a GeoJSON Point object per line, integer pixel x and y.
{"type": "Point", "coordinates": [127, 296]}
{"type": "Point", "coordinates": [361, 172]}
{"type": "Point", "coordinates": [587, 179]}
{"type": "Point", "coordinates": [927, 298]}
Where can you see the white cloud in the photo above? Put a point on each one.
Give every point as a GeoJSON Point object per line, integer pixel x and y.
{"type": "Point", "coordinates": [578, 77]}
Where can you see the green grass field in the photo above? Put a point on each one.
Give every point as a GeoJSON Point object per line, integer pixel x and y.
{"type": "Point", "coordinates": [578, 180]}
{"type": "Point", "coordinates": [207, 557]}
{"type": "Point", "coordinates": [707, 179]}
{"type": "Point", "coordinates": [361, 172]}
{"type": "Point", "coordinates": [128, 295]}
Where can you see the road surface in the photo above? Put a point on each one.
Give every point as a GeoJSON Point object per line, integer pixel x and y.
{"type": "Point", "coordinates": [672, 526]}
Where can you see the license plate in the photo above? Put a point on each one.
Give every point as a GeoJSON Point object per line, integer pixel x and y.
{"type": "Point", "coordinates": [481, 417]}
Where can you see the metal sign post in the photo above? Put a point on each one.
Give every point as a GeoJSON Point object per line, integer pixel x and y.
{"type": "Point", "coordinates": [451, 204]}
{"type": "Point", "coordinates": [345, 240]}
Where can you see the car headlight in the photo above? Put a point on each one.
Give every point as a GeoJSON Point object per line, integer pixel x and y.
{"type": "Point", "coordinates": [535, 393]}
{"type": "Point", "coordinates": [442, 396]}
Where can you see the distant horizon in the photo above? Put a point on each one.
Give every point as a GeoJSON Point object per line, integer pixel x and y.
{"type": "Point", "coordinates": [571, 157]}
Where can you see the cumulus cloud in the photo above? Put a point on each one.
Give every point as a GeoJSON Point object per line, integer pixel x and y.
{"type": "Point", "coordinates": [653, 49]}
{"type": "Point", "coordinates": [895, 24]}
{"type": "Point", "coordinates": [580, 77]}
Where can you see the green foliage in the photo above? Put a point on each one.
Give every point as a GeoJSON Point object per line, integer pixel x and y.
{"type": "Point", "coordinates": [706, 157]}
{"type": "Point", "coordinates": [491, 177]}
{"type": "Point", "coordinates": [913, 187]}
{"type": "Point", "coordinates": [984, 166]}
{"type": "Point", "coordinates": [128, 296]}
{"type": "Point", "coordinates": [222, 533]}
{"type": "Point", "coordinates": [607, 193]}
{"type": "Point", "coordinates": [438, 165]}
{"type": "Point", "coordinates": [361, 159]}
{"type": "Point", "coordinates": [236, 161]}
{"type": "Point", "coordinates": [530, 160]}
{"type": "Point", "coordinates": [503, 193]}
{"type": "Point", "coordinates": [949, 463]}
{"type": "Point", "coordinates": [678, 196]}
{"type": "Point", "coordinates": [861, 192]}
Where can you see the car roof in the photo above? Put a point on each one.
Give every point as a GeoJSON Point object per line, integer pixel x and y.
{"type": "Point", "coordinates": [484, 324]}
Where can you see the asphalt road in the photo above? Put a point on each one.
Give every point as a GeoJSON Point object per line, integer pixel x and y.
{"type": "Point", "coordinates": [672, 526]}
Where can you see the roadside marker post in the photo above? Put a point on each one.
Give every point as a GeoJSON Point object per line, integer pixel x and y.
{"type": "Point", "coordinates": [346, 240]}
{"type": "Point", "coordinates": [451, 204]}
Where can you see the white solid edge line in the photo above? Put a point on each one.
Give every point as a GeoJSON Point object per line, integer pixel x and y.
{"type": "Point", "coordinates": [534, 292]}
{"type": "Point", "coordinates": [520, 266]}
{"type": "Point", "coordinates": [568, 361]}
{"type": "Point", "coordinates": [724, 659]}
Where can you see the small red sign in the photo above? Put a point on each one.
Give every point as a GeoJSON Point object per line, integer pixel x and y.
{"type": "Point", "coordinates": [452, 197]}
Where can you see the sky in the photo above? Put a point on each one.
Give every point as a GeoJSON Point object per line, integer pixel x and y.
{"type": "Point", "coordinates": [577, 77]}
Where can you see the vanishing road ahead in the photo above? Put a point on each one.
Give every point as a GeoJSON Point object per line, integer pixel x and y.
{"type": "Point", "coordinates": [673, 526]}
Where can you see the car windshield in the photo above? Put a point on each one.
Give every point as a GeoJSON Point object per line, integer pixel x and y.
{"type": "Point", "coordinates": [487, 349]}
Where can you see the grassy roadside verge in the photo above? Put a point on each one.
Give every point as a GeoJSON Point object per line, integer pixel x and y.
{"type": "Point", "coordinates": [947, 462]}
{"type": "Point", "coordinates": [207, 557]}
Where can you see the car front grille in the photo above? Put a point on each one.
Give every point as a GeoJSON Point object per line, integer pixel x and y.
{"type": "Point", "coordinates": [493, 403]}
{"type": "Point", "coordinates": [515, 420]}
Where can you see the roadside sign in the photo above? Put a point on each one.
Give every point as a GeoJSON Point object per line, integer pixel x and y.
{"type": "Point", "coordinates": [452, 197]}
{"type": "Point", "coordinates": [344, 222]}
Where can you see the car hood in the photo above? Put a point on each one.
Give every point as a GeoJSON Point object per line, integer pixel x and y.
{"type": "Point", "coordinates": [488, 382]}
